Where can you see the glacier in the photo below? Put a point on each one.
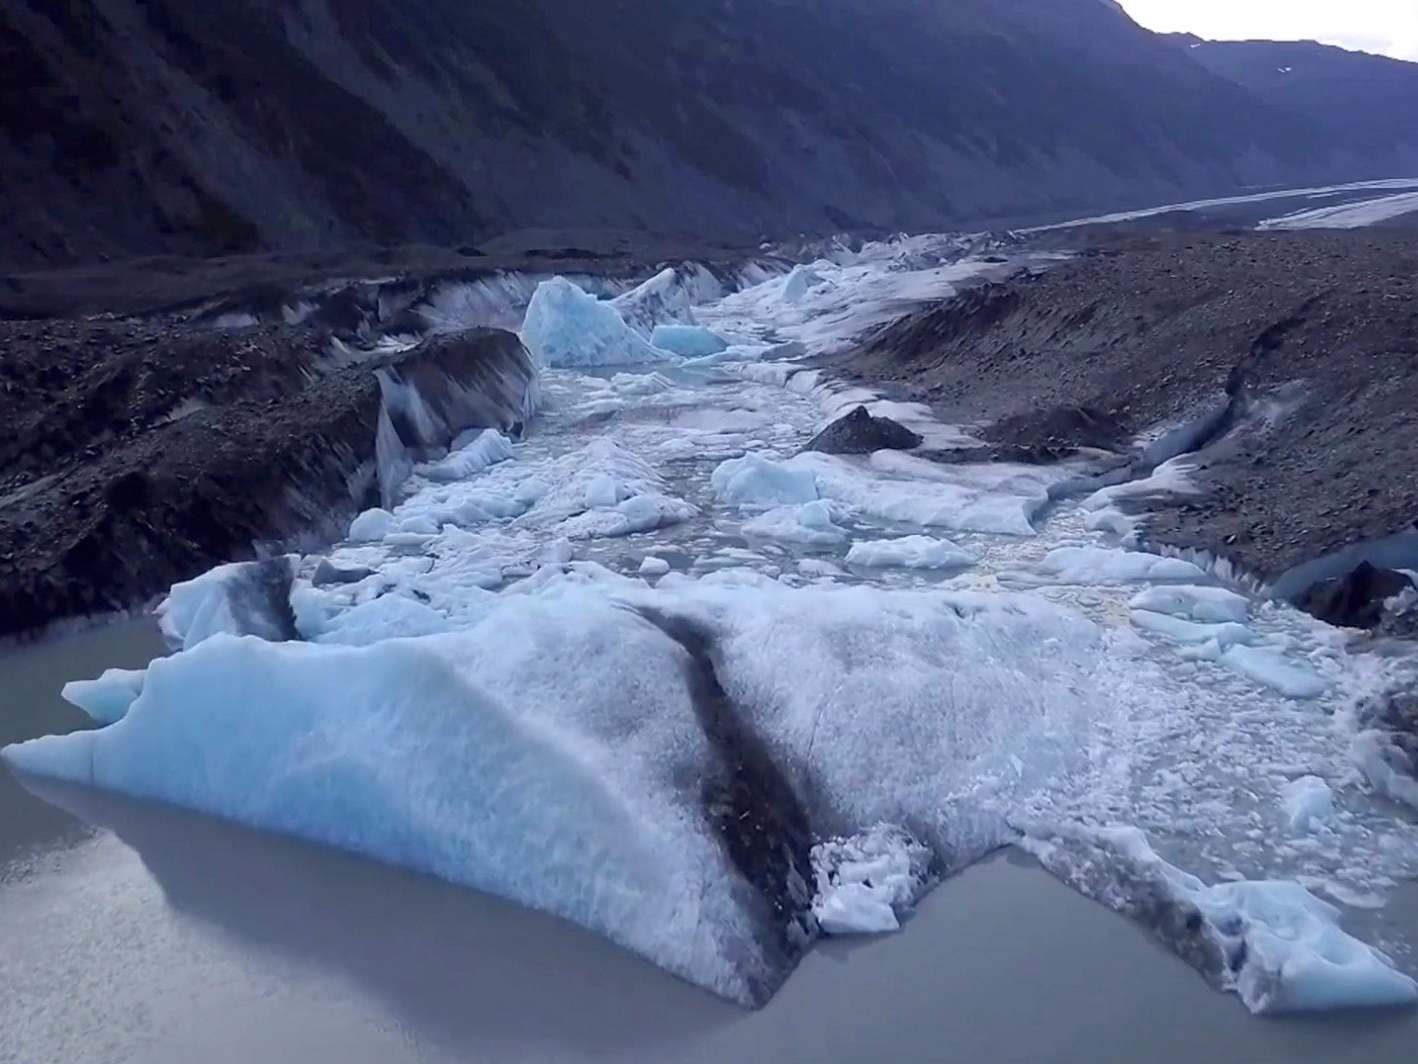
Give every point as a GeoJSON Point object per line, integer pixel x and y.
{"type": "Point", "coordinates": [649, 666]}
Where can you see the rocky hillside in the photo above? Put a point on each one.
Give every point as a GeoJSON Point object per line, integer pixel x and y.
{"type": "Point", "coordinates": [1291, 352]}
{"type": "Point", "coordinates": [139, 127]}
{"type": "Point", "coordinates": [1363, 101]}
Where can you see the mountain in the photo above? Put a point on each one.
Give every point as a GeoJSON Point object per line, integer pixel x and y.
{"type": "Point", "coordinates": [1366, 102]}
{"type": "Point", "coordinates": [132, 127]}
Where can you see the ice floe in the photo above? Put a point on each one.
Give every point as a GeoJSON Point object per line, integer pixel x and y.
{"type": "Point", "coordinates": [909, 552]}
{"type": "Point", "coordinates": [1273, 943]}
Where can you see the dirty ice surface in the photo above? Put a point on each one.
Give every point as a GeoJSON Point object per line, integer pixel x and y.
{"type": "Point", "coordinates": [652, 669]}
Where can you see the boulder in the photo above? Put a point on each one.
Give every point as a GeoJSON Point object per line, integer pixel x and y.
{"type": "Point", "coordinates": [860, 433]}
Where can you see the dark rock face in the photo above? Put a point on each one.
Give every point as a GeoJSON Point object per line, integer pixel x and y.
{"type": "Point", "coordinates": [141, 453]}
{"type": "Point", "coordinates": [1333, 87]}
{"type": "Point", "coordinates": [860, 433]}
{"type": "Point", "coordinates": [1355, 600]}
{"type": "Point", "coordinates": [134, 127]}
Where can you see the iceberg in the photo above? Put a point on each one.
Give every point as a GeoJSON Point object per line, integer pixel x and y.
{"type": "Point", "coordinates": [636, 760]}
{"type": "Point", "coordinates": [1273, 943]}
{"type": "Point", "coordinates": [565, 326]}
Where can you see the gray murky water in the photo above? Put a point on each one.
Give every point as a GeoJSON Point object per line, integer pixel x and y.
{"type": "Point", "coordinates": [139, 933]}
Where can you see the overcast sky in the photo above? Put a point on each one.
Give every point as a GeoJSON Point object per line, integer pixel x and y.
{"type": "Point", "coordinates": [1386, 26]}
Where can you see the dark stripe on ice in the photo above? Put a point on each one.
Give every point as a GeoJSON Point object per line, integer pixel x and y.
{"type": "Point", "coordinates": [753, 808]}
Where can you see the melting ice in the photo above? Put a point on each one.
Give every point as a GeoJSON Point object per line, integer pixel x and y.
{"type": "Point", "coordinates": [652, 669]}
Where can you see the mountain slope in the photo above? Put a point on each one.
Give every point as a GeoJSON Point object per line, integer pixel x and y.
{"type": "Point", "coordinates": [149, 126]}
{"type": "Point", "coordinates": [1362, 100]}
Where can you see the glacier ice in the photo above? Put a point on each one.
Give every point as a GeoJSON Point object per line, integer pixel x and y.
{"type": "Point", "coordinates": [556, 750]}
{"type": "Point", "coordinates": [1308, 802]}
{"type": "Point", "coordinates": [1184, 631]}
{"type": "Point", "coordinates": [1275, 671]}
{"type": "Point", "coordinates": [757, 481]}
{"type": "Point", "coordinates": [1273, 943]}
{"type": "Point", "coordinates": [470, 455]}
{"type": "Point", "coordinates": [371, 525]}
{"type": "Point", "coordinates": [950, 499]}
{"type": "Point", "coordinates": [1102, 566]}
{"type": "Point", "coordinates": [106, 699]}
{"type": "Point", "coordinates": [653, 566]}
{"type": "Point", "coordinates": [568, 327]}
{"type": "Point", "coordinates": [1206, 605]}
{"type": "Point", "coordinates": [523, 758]}
{"type": "Point", "coordinates": [688, 341]}
{"type": "Point", "coordinates": [810, 524]}
{"type": "Point", "coordinates": [910, 552]}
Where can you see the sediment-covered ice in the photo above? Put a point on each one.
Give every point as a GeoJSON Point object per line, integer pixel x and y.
{"type": "Point", "coordinates": [662, 299]}
{"type": "Point", "coordinates": [909, 552]}
{"type": "Point", "coordinates": [1273, 943]}
{"type": "Point", "coordinates": [241, 598]}
{"type": "Point", "coordinates": [568, 327]}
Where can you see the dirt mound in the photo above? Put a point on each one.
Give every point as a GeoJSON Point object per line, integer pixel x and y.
{"type": "Point", "coordinates": [1315, 333]}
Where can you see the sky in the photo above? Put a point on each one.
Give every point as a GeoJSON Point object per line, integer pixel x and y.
{"type": "Point", "coordinates": [1389, 27]}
